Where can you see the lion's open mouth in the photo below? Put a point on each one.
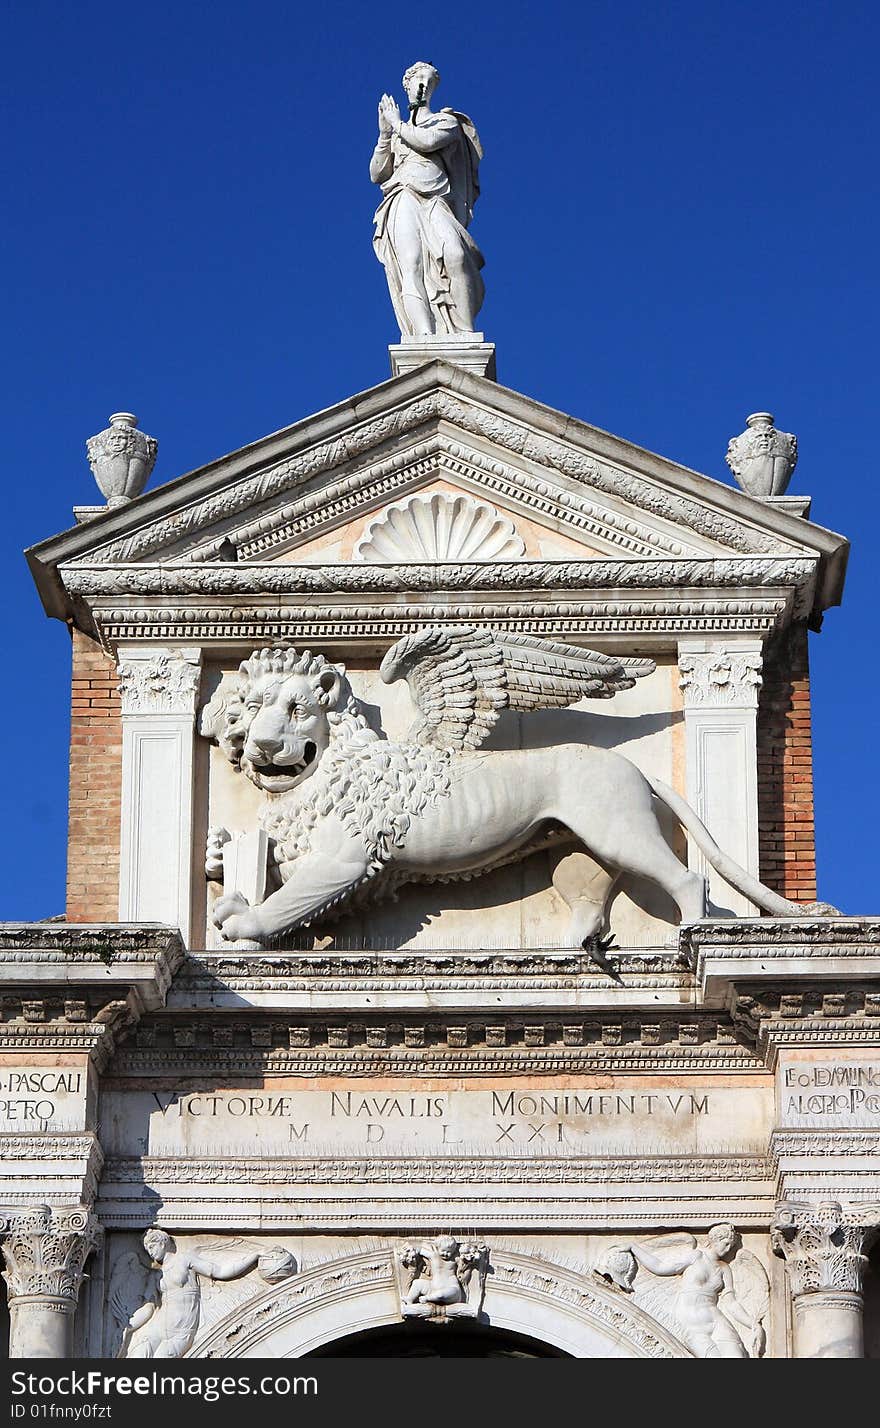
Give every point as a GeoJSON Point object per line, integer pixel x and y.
{"type": "Point", "coordinates": [289, 770]}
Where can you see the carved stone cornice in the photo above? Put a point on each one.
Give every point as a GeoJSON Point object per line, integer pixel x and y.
{"type": "Point", "coordinates": [814, 937]}
{"type": "Point", "coordinates": [657, 573]}
{"type": "Point", "coordinates": [45, 1252]}
{"type": "Point", "coordinates": [810, 982]}
{"type": "Point", "coordinates": [71, 1163]}
{"type": "Point", "coordinates": [658, 619]}
{"type": "Point", "coordinates": [412, 1044]}
{"type": "Point", "coordinates": [80, 988]}
{"type": "Point", "coordinates": [827, 1144]}
{"type": "Point", "coordinates": [142, 957]}
{"type": "Point", "coordinates": [720, 678]}
{"type": "Point", "coordinates": [823, 1244]}
{"type": "Point", "coordinates": [38, 1024]}
{"type": "Point", "coordinates": [163, 683]}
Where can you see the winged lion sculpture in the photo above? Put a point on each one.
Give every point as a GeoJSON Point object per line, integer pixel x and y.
{"type": "Point", "coordinates": [351, 815]}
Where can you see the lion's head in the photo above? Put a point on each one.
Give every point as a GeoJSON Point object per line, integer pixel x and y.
{"type": "Point", "coordinates": [276, 725]}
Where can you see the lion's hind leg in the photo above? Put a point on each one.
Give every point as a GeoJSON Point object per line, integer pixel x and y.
{"type": "Point", "coordinates": [585, 887]}
{"type": "Point", "coordinates": [627, 835]}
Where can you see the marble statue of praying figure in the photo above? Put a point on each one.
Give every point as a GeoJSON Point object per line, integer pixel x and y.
{"type": "Point", "coordinates": [428, 170]}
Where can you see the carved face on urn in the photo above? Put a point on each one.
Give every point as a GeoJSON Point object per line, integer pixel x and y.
{"type": "Point", "coordinates": [277, 727]}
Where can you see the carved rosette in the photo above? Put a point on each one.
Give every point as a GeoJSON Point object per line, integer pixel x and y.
{"type": "Point", "coordinates": [762, 459]}
{"type": "Point", "coordinates": [121, 458]}
{"type": "Point", "coordinates": [824, 1246]}
{"type": "Point", "coordinates": [45, 1252]}
{"type": "Point", "coordinates": [720, 678]}
{"type": "Point", "coordinates": [165, 683]}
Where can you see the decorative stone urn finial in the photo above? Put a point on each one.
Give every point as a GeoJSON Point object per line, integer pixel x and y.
{"type": "Point", "coordinates": [762, 459]}
{"type": "Point", "coordinates": [121, 458]}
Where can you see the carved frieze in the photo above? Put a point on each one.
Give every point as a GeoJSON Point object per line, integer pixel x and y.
{"type": "Point", "coordinates": [458, 1169]}
{"type": "Point", "coordinates": [660, 574]}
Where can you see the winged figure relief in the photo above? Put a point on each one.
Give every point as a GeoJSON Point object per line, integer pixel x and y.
{"type": "Point", "coordinates": [719, 1297]}
{"type": "Point", "coordinates": [350, 816]}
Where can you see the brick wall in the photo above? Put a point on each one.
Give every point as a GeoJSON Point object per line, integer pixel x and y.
{"type": "Point", "coordinates": [95, 786]}
{"type": "Point", "coordinates": [787, 841]}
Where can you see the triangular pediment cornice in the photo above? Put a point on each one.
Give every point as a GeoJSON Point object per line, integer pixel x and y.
{"type": "Point", "coordinates": [259, 502]}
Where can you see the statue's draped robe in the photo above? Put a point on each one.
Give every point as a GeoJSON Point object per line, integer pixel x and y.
{"type": "Point", "coordinates": [439, 190]}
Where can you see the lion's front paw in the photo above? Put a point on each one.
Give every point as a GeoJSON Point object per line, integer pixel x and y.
{"type": "Point", "coordinates": [236, 918]}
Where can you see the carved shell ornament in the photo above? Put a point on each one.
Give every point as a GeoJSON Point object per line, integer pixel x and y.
{"type": "Point", "coordinates": [439, 527]}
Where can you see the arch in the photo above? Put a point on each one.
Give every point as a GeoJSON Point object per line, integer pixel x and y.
{"type": "Point", "coordinates": [560, 1306]}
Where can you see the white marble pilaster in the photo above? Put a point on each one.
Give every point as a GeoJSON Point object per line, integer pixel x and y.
{"type": "Point", "coordinates": [720, 682]}
{"type": "Point", "coordinates": [159, 691]}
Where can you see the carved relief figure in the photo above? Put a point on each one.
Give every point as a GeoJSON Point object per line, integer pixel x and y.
{"type": "Point", "coordinates": [427, 167]}
{"type": "Point", "coordinates": [447, 1279]}
{"type": "Point", "coordinates": [166, 1325]}
{"type": "Point", "coordinates": [721, 1297]}
{"type": "Point", "coordinates": [352, 816]}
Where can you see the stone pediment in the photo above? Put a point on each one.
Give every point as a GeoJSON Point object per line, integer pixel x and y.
{"type": "Point", "coordinates": [312, 494]}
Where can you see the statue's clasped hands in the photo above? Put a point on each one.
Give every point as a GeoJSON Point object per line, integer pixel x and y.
{"type": "Point", "coordinates": [389, 115]}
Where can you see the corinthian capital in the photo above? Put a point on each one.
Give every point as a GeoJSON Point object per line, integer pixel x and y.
{"type": "Point", "coordinates": [719, 677]}
{"type": "Point", "coordinates": [824, 1244]}
{"type": "Point", "coordinates": [164, 682]}
{"type": "Point", "coordinates": [45, 1251]}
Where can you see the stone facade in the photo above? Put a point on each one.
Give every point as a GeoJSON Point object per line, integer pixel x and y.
{"type": "Point", "coordinates": [307, 1063]}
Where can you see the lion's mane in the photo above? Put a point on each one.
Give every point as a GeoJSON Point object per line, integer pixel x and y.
{"type": "Point", "coordinates": [375, 787]}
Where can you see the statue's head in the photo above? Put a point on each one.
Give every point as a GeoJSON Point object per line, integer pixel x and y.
{"type": "Point", "coordinates": [157, 1244]}
{"type": "Point", "coordinates": [723, 1239]}
{"type": "Point", "coordinates": [446, 1246]}
{"type": "Point", "coordinates": [277, 727]}
{"type": "Point", "coordinates": [420, 75]}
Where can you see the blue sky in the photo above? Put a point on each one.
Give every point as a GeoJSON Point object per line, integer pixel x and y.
{"type": "Point", "coordinates": [679, 214]}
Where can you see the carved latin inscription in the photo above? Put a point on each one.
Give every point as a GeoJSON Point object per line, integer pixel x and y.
{"type": "Point", "coordinates": [36, 1098]}
{"type": "Point", "coordinates": [830, 1093]}
{"type": "Point", "coordinates": [355, 1121]}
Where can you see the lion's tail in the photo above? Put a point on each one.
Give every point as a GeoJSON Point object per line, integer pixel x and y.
{"type": "Point", "coordinates": [730, 871]}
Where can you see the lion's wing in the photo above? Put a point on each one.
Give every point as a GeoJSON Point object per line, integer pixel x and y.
{"type": "Point", "coordinates": [462, 676]}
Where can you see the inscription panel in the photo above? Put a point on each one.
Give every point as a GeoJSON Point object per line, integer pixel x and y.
{"type": "Point", "coordinates": [829, 1093]}
{"type": "Point", "coordinates": [357, 1120]}
{"type": "Point", "coordinates": [41, 1098]}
